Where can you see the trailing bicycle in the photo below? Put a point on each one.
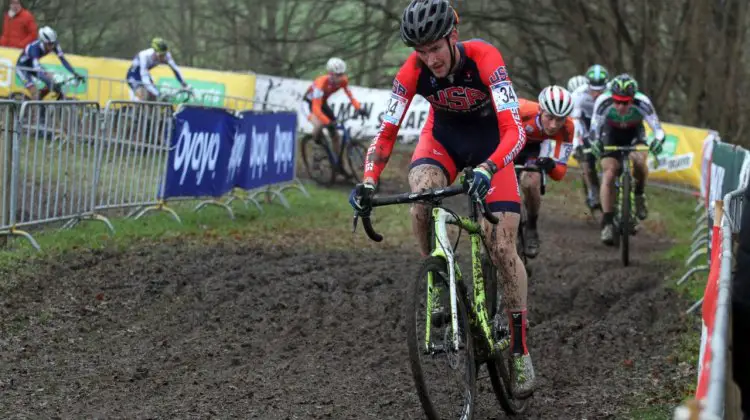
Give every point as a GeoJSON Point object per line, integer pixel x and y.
{"type": "Point", "coordinates": [625, 222]}
{"type": "Point", "coordinates": [322, 163]}
{"type": "Point", "coordinates": [473, 331]}
{"type": "Point", "coordinates": [521, 238]}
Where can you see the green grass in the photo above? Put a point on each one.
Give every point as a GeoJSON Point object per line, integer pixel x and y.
{"type": "Point", "coordinates": [324, 219]}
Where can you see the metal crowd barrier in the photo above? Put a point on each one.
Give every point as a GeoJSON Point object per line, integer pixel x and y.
{"type": "Point", "coordinates": [701, 235]}
{"type": "Point", "coordinates": [133, 157]}
{"type": "Point", "coordinates": [716, 392]}
{"type": "Point", "coordinates": [53, 165]}
{"type": "Point", "coordinates": [68, 161]}
{"type": "Point", "coordinates": [699, 247]}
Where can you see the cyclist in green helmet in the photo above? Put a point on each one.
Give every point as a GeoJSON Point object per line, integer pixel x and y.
{"type": "Point", "coordinates": [583, 100]}
{"type": "Point", "coordinates": [618, 120]}
{"type": "Point", "coordinates": [139, 79]}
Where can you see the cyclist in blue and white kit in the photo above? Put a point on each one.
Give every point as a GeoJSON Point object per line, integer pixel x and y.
{"type": "Point", "coordinates": [139, 79]}
{"type": "Point", "coordinates": [28, 68]}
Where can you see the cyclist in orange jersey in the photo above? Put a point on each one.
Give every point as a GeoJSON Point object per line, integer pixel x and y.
{"type": "Point", "coordinates": [316, 99]}
{"type": "Point", "coordinates": [547, 125]}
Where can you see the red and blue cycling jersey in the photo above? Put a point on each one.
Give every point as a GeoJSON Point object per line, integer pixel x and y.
{"type": "Point", "coordinates": [474, 112]}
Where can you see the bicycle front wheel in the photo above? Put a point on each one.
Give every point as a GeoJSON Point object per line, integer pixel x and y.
{"type": "Point", "coordinates": [316, 157]}
{"type": "Point", "coordinates": [355, 159]}
{"type": "Point", "coordinates": [625, 224]}
{"type": "Point", "coordinates": [445, 376]}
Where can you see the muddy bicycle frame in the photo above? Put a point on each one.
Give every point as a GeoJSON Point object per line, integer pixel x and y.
{"type": "Point", "coordinates": [443, 249]}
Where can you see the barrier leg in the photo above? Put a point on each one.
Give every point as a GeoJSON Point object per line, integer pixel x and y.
{"type": "Point", "coordinates": [695, 306]}
{"type": "Point", "coordinates": [161, 206]}
{"type": "Point", "coordinates": [270, 193]}
{"type": "Point", "coordinates": [695, 255]}
{"type": "Point", "coordinates": [18, 232]}
{"type": "Point", "coordinates": [297, 185]}
{"type": "Point", "coordinates": [134, 212]}
{"type": "Point", "coordinates": [701, 230]}
{"type": "Point", "coordinates": [74, 222]}
{"type": "Point", "coordinates": [699, 243]}
{"type": "Point", "coordinates": [216, 203]}
{"type": "Point", "coordinates": [692, 271]}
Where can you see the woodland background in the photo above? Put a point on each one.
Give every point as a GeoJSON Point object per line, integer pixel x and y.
{"type": "Point", "coordinates": [689, 56]}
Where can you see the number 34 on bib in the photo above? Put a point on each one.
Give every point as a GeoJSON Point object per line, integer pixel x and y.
{"type": "Point", "coordinates": [504, 96]}
{"type": "Point", "coordinates": [395, 109]}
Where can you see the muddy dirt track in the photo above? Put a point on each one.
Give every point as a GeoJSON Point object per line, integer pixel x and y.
{"type": "Point", "coordinates": [239, 330]}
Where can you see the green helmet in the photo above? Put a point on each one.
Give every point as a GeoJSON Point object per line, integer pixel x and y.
{"type": "Point", "coordinates": [624, 87]}
{"type": "Point", "coordinates": [597, 76]}
{"type": "Point", "coordinates": [159, 45]}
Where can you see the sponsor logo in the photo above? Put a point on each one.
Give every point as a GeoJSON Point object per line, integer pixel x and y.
{"type": "Point", "coordinates": [197, 151]}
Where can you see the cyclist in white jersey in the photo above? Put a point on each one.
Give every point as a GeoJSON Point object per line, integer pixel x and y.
{"type": "Point", "coordinates": [584, 97]}
{"type": "Point", "coordinates": [139, 79]}
{"type": "Point", "coordinates": [618, 120]}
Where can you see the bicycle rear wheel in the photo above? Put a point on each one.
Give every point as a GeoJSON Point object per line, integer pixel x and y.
{"type": "Point", "coordinates": [316, 157]}
{"type": "Point", "coordinates": [498, 369]}
{"type": "Point", "coordinates": [625, 214]}
{"type": "Point", "coordinates": [355, 153]}
{"type": "Point", "coordinates": [431, 352]}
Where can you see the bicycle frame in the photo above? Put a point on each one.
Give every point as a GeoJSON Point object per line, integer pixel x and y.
{"type": "Point", "coordinates": [444, 250]}
{"type": "Point", "coordinates": [346, 137]}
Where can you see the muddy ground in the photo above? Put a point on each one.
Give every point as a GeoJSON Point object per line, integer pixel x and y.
{"type": "Point", "coordinates": [245, 330]}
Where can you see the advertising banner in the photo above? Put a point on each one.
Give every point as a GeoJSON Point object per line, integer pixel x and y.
{"type": "Point", "coordinates": [213, 151]}
{"type": "Point", "coordinates": [107, 79]}
{"type": "Point", "coordinates": [290, 93]}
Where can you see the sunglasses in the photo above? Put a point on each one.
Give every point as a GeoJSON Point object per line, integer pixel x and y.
{"type": "Point", "coordinates": [622, 102]}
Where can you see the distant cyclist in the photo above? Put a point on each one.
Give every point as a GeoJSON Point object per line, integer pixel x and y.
{"type": "Point", "coordinates": [576, 81]}
{"type": "Point", "coordinates": [618, 120]}
{"type": "Point", "coordinates": [584, 97]}
{"type": "Point", "coordinates": [139, 79]}
{"type": "Point", "coordinates": [29, 69]}
{"type": "Point", "coordinates": [546, 120]}
{"type": "Point", "coordinates": [316, 106]}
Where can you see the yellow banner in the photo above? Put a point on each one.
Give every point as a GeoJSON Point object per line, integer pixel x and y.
{"type": "Point", "coordinates": [107, 79]}
{"type": "Point", "coordinates": [680, 161]}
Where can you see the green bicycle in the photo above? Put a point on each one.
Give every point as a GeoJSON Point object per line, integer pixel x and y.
{"type": "Point", "coordinates": [446, 325]}
{"type": "Point", "coordinates": [624, 221]}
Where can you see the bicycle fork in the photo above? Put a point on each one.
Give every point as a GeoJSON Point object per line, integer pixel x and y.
{"type": "Point", "coordinates": [443, 250]}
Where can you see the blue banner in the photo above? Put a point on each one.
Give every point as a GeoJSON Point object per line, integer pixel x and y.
{"type": "Point", "coordinates": [269, 156]}
{"type": "Point", "coordinates": [213, 151]}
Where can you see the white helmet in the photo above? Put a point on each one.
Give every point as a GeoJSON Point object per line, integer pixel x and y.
{"type": "Point", "coordinates": [556, 100]}
{"type": "Point", "coordinates": [336, 65]}
{"type": "Point", "coordinates": [47, 35]}
{"type": "Point", "coordinates": [576, 81]}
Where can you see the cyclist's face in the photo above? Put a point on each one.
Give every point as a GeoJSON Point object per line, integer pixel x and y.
{"type": "Point", "coordinates": [161, 56]}
{"type": "Point", "coordinates": [595, 93]}
{"type": "Point", "coordinates": [15, 6]}
{"type": "Point", "coordinates": [551, 124]}
{"type": "Point", "coordinates": [437, 54]}
{"type": "Point", "coordinates": [336, 77]}
{"type": "Point", "coordinates": [622, 107]}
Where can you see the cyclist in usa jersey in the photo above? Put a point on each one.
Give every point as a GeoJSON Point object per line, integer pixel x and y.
{"type": "Point", "coordinates": [28, 68]}
{"type": "Point", "coordinates": [473, 121]}
{"type": "Point", "coordinates": [618, 120]}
